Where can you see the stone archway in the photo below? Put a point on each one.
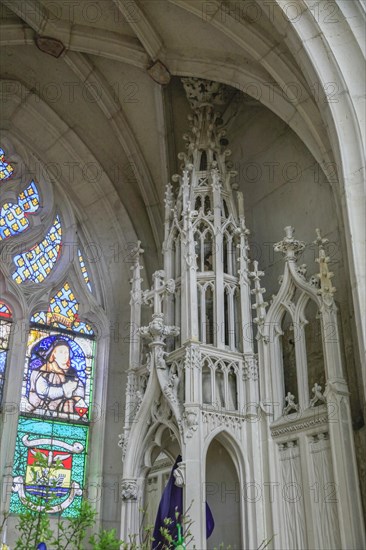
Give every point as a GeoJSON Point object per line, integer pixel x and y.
{"type": "Point", "coordinates": [223, 497]}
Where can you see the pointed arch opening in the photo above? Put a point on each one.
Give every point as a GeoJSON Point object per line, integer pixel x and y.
{"type": "Point", "coordinates": [288, 345]}
{"type": "Point", "coordinates": [314, 349]}
{"type": "Point", "coordinates": [223, 497]}
{"type": "Point", "coordinates": [55, 408]}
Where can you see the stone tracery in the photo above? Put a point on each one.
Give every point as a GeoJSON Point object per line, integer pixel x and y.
{"type": "Point", "coordinates": [209, 375]}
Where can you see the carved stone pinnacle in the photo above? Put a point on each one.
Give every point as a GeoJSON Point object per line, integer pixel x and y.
{"type": "Point", "coordinates": [289, 246]}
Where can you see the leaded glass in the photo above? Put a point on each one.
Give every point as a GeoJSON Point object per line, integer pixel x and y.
{"type": "Point", "coordinates": [60, 485]}
{"type": "Point", "coordinates": [5, 327]}
{"type": "Point", "coordinates": [14, 217]}
{"type": "Point", "coordinates": [84, 271]}
{"type": "Point", "coordinates": [6, 169]}
{"type": "Point", "coordinates": [4, 311]}
{"type": "Point", "coordinates": [58, 376]}
{"type": "Point", "coordinates": [63, 312]}
{"type": "Point", "coordinates": [36, 264]}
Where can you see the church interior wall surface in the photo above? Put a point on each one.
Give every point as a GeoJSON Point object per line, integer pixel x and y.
{"type": "Point", "coordinates": [182, 197]}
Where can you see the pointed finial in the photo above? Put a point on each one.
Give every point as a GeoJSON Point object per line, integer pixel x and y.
{"type": "Point", "coordinates": [320, 241]}
{"type": "Point", "coordinates": [289, 246]}
{"type": "Point", "coordinates": [169, 196]}
{"type": "Point", "coordinates": [136, 252]}
{"type": "Point", "coordinates": [326, 288]}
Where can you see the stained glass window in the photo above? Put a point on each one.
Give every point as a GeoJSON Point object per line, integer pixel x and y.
{"type": "Point", "coordinates": [6, 169]}
{"type": "Point", "coordinates": [57, 377]}
{"type": "Point", "coordinates": [36, 264]}
{"type": "Point", "coordinates": [5, 327]}
{"type": "Point", "coordinates": [59, 487]}
{"type": "Point", "coordinates": [63, 312]}
{"type": "Point", "coordinates": [14, 217]}
{"type": "Point", "coordinates": [55, 409]}
{"type": "Point", "coordinates": [84, 270]}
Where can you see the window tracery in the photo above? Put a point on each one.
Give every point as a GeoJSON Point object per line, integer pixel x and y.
{"type": "Point", "coordinates": [55, 407]}
{"type": "Point", "coordinates": [84, 270]}
{"type": "Point", "coordinates": [204, 244]}
{"type": "Point", "coordinates": [6, 169]}
{"type": "Point", "coordinates": [36, 264]}
{"type": "Point", "coordinates": [14, 217]}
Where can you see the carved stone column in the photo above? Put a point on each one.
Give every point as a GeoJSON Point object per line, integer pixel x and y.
{"type": "Point", "coordinates": [341, 434]}
{"type": "Point", "coordinates": [130, 510]}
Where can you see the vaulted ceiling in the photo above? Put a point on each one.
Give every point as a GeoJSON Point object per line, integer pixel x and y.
{"type": "Point", "coordinates": [115, 87]}
{"type": "Point", "coordinates": [112, 106]}
{"type": "Point", "coordinates": [105, 85]}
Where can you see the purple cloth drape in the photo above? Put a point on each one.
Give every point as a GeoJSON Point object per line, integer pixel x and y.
{"type": "Point", "coordinates": [172, 501]}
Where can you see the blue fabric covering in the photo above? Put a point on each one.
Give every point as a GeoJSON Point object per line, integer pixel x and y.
{"type": "Point", "coordinates": [172, 501]}
{"type": "Point", "coordinates": [41, 546]}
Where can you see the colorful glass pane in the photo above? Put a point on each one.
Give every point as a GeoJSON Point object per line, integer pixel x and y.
{"type": "Point", "coordinates": [4, 311]}
{"type": "Point", "coordinates": [58, 375]}
{"type": "Point", "coordinates": [36, 264]}
{"type": "Point", "coordinates": [63, 312]}
{"type": "Point", "coordinates": [6, 169]}
{"type": "Point", "coordinates": [84, 271]}
{"type": "Point", "coordinates": [14, 217]}
{"type": "Point", "coordinates": [5, 328]}
{"type": "Point", "coordinates": [59, 485]}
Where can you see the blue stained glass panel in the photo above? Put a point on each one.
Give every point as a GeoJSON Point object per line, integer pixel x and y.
{"type": "Point", "coordinates": [63, 312]}
{"type": "Point", "coordinates": [28, 199]}
{"type": "Point", "coordinates": [2, 362]}
{"type": "Point", "coordinates": [58, 376]}
{"type": "Point", "coordinates": [36, 264]}
{"type": "Point", "coordinates": [6, 169]}
{"type": "Point", "coordinates": [12, 220]}
{"type": "Point", "coordinates": [84, 270]}
{"type": "Point", "coordinates": [14, 217]}
{"type": "Point", "coordinates": [59, 486]}
{"type": "Point", "coordinates": [39, 317]}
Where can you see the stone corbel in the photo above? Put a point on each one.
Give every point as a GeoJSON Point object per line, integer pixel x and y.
{"type": "Point", "coordinates": [190, 417]}
{"type": "Point", "coordinates": [129, 489]}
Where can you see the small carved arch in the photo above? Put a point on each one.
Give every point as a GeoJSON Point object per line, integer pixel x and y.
{"type": "Point", "coordinates": [288, 352]}
{"type": "Point", "coordinates": [209, 314]}
{"type": "Point", "coordinates": [203, 236]}
{"type": "Point", "coordinates": [229, 255]}
{"type": "Point", "coordinates": [225, 210]}
{"type": "Point", "coordinates": [313, 349]}
{"type": "Point", "coordinates": [207, 205]}
{"type": "Point", "coordinates": [287, 343]}
{"type": "Point", "coordinates": [160, 437]}
{"type": "Point", "coordinates": [203, 161]}
{"type": "Point", "coordinates": [198, 203]}
{"type": "Point", "coordinates": [220, 397]}
{"type": "Point", "coordinates": [206, 381]}
{"type": "Point", "coordinates": [173, 245]}
{"type": "Point", "coordinates": [232, 402]}
{"type": "Point", "coordinates": [161, 447]}
{"type": "Point", "coordinates": [239, 459]}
